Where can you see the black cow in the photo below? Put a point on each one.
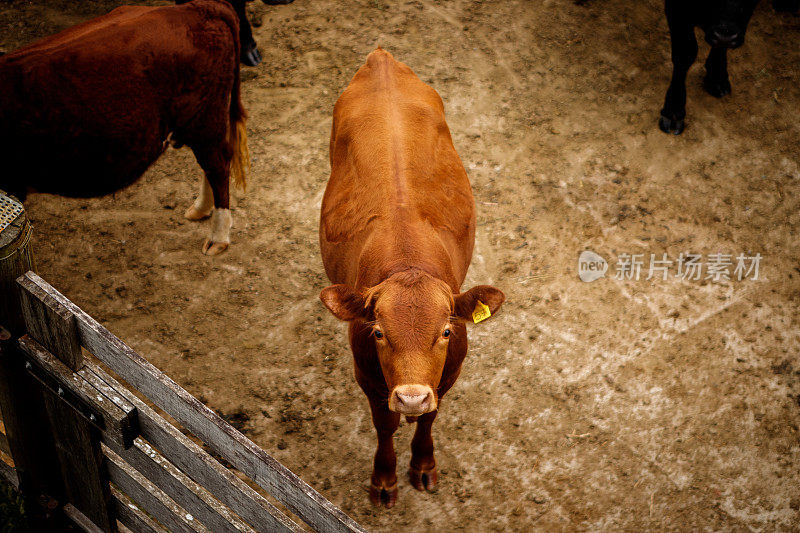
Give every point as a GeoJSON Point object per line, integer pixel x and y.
{"type": "Point", "coordinates": [249, 53]}
{"type": "Point", "coordinates": [724, 23]}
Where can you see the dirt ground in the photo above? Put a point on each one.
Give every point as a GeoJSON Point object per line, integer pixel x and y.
{"type": "Point", "coordinates": [612, 405]}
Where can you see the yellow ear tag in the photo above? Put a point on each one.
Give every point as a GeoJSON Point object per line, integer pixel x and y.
{"type": "Point", "coordinates": [481, 312]}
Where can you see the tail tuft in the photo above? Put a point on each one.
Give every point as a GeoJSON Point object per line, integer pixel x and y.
{"type": "Point", "coordinates": [240, 163]}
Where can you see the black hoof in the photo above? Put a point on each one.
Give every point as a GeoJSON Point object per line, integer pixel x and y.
{"type": "Point", "coordinates": [250, 56]}
{"type": "Point", "coordinates": [669, 125]}
{"type": "Point", "coordinates": [717, 88]}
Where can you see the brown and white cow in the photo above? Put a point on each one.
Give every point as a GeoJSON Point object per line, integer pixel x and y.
{"type": "Point", "coordinates": [86, 111]}
{"type": "Point", "coordinates": [396, 232]}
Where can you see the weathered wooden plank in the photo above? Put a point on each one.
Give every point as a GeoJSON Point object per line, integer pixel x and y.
{"type": "Point", "coordinates": [77, 441]}
{"type": "Point", "coordinates": [202, 468]}
{"type": "Point", "coordinates": [9, 473]}
{"type": "Point", "coordinates": [130, 429]}
{"type": "Point", "coordinates": [77, 446]}
{"type": "Point", "coordinates": [4, 445]}
{"type": "Point", "coordinates": [120, 422]}
{"type": "Point", "coordinates": [16, 258]}
{"type": "Point", "coordinates": [223, 438]}
{"type": "Point", "coordinates": [149, 497]}
{"type": "Point", "coordinates": [131, 516]}
{"type": "Point", "coordinates": [32, 447]}
{"type": "Point", "coordinates": [179, 487]}
{"type": "Point", "coordinates": [50, 322]}
{"type": "Point", "coordinates": [122, 528]}
{"type": "Point", "coordinates": [21, 400]}
{"type": "Point", "coordinates": [80, 520]}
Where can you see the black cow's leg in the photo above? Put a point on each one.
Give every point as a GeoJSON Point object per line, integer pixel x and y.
{"type": "Point", "coordinates": [422, 473]}
{"type": "Point", "coordinates": [250, 55]}
{"type": "Point", "coordinates": [684, 52]}
{"type": "Point", "coordinates": [716, 80]}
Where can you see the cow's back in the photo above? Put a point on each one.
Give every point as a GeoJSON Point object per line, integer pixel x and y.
{"type": "Point", "coordinates": [92, 105]}
{"type": "Point", "coordinates": [394, 170]}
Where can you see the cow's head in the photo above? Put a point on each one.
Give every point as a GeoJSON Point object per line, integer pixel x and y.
{"type": "Point", "coordinates": [727, 22]}
{"type": "Point", "coordinates": [413, 317]}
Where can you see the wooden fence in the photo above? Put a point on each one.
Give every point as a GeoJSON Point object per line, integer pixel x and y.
{"type": "Point", "coordinates": [89, 452]}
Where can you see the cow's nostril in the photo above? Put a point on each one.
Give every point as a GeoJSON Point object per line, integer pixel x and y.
{"type": "Point", "coordinates": [412, 399]}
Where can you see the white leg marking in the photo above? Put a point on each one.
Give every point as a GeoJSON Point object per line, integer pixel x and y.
{"type": "Point", "coordinates": [204, 203]}
{"type": "Point", "coordinates": [205, 198]}
{"type": "Point", "coordinates": [221, 222]}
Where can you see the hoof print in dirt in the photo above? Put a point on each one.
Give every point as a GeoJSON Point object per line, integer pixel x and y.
{"type": "Point", "coordinates": [672, 126]}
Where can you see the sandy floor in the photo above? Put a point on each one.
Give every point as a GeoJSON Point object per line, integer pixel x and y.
{"type": "Point", "coordinates": [612, 405]}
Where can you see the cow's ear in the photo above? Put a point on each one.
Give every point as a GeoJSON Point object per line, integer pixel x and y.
{"type": "Point", "coordinates": [345, 303]}
{"type": "Point", "coordinates": [467, 302]}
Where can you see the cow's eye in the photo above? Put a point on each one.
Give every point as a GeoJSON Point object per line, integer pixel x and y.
{"type": "Point", "coordinates": [378, 334]}
{"type": "Point", "coordinates": [446, 333]}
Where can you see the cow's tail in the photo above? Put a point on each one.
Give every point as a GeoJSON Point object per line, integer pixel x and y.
{"type": "Point", "coordinates": [237, 130]}
{"type": "Point", "coordinates": [237, 134]}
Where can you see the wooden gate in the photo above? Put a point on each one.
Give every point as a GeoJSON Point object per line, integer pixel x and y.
{"type": "Point", "coordinates": [89, 452]}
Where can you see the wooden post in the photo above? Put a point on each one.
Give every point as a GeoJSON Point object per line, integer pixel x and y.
{"type": "Point", "coordinates": [21, 399]}
{"type": "Point", "coordinates": [77, 441]}
{"type": "Point", "coordinates": [15, 259]}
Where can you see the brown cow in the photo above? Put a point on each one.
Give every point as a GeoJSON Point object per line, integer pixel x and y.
{"type": "Point", "coordinates": [85, 112]}
{"type": "Point", "coordinates": [396, 232]}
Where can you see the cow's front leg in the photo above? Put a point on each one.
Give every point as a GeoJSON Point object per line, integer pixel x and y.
{"type": "Point", "coordinates": [684, 52]}
{"type": "Point", "coordinates": [716, 81]}
{"type": "Point", "coordinates": [204, 203]}
{"type": "Point", "coordinates": [422, 471]}
{"type": "Point", "coordinates": [383, 486]}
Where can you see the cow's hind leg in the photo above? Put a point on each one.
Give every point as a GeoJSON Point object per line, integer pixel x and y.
{"type": "Point", "coordinates": [422, 472]}
{"type": "Point", "coordinates": [215, 160]}
{"type": "Point", "coordinates": [204, 203]}
{"type": "Point", "coordinates": [716, 81]}
{"type": "Point", "coordinates": [383, 486]}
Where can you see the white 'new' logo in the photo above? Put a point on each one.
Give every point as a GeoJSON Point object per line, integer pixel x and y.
{"type": "Point", "coordinates": [591, 266]}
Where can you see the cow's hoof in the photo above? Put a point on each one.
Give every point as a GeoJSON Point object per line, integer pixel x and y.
{"type": "Point", "coordinates": [423, 479]}
{"type": "Point", "coordinates": [673, 126]}
{"type": "Point", "coordinates": [214, 248]}
{"type": "Point", "coordinates": [251, 56]}
{"type": "Point", "coordinates": [717, 87]}
{"type": "Point", "coordinates": [386, 496]}
{"type": "Point", "coordinates": [194, 213]}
